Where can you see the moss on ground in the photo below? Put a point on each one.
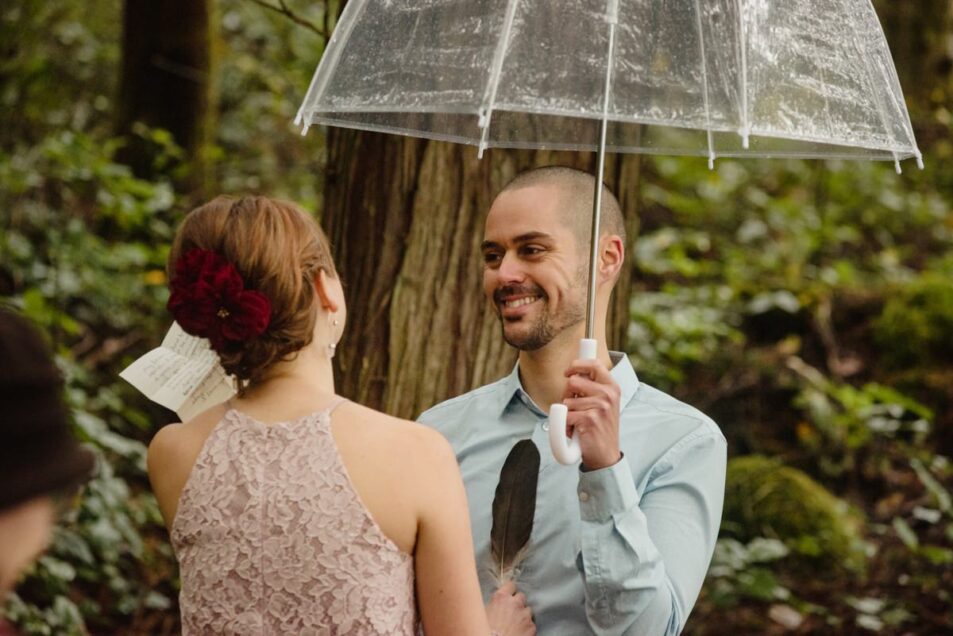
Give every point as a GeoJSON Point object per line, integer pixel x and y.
{"type": "Point", "coordinates": [768, 499]}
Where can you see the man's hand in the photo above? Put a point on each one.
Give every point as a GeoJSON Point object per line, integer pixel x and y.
{"type": "Point", "coordinates": [508, 613]}
{"type": "Point", "coordinates": [592, 397]}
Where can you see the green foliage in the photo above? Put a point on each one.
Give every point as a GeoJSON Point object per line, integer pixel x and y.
{"type": "Point", "coordinates": [676, 328]}
{"type": "Point", "coordinates": [51, 67]}
{"type": "Point", "coordinates": [82, 254]}
{"type": "Point", "coordinates": [267, 63]}
{"type": "Point", "coordinates": [916, 327]}
{"type": "Point", "coordinates": [843, 419]}
{"type": "Point", "coordinates": [765, 498]}
{"type": "Point", "coordinates": [743, 571]}
{"type": "Point", "coordinates": [805, 306]}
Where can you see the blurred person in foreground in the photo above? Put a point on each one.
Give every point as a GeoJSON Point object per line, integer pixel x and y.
{"type": "Point", "coordinates": [621, 543]}
{"type": "Point", "coordinates": [41, 463]}
{"type": "Point", "coordinates": [292, 510]}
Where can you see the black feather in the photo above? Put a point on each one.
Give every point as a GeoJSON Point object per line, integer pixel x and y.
{"type": "Point", "coordinates": [514, 506]}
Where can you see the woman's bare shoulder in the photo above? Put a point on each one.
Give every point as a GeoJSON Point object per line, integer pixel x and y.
{"type": "Point", "coordinates": [179, 439]}
{"type": "Point", "coordinates": [392, 429]}
{"type": "Point", "coordinates": [172, 453]}
{"type": "Point", "coordinates": [175, 447]}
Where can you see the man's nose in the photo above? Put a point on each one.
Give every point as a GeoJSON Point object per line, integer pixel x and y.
{"type": "Point", "coordinates": [510, 270]}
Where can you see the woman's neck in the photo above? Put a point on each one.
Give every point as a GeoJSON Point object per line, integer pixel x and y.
{"type": "Point", "coordinates": [304, 380]}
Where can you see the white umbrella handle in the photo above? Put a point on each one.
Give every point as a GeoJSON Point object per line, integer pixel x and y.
{"type": "Point", "coordinates": [566, 450]}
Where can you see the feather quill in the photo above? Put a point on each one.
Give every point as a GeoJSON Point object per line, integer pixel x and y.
{"type": "Point", "coordinates": [514, 507]}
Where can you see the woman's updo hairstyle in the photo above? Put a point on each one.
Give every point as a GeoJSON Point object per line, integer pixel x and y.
{"type": "Point", "coordinates": [277, 249]}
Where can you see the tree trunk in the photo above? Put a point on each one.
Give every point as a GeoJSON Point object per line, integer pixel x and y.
{"type": "Point", "coordinates": [167, 82]}
{"type": "Point", "coordinates": [405, 217]}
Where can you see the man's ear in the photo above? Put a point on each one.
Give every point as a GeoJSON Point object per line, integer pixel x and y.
{"type": "Point", "coordinates": [611, 257]}
{"type": "Point", "coordinates": [326, 290]}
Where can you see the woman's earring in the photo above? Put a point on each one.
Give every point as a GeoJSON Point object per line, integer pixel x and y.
{"type": "Point", "coordinates": [332, 324]}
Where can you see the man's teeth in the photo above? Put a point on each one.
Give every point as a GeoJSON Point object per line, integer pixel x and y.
{"type": "Point", "coordinates": [519, 302]}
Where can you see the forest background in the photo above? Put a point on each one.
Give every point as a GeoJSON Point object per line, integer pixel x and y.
{"type": "Point", "coordinates": [807, 306]}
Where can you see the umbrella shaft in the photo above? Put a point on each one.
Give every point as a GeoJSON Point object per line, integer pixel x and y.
{"type": "Point", "coordinates": [597, 196]}
{"type": "Point", "coordinates": [594, 236]}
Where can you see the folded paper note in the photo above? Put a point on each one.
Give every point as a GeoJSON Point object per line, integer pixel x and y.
{"type": "Point", "coordinates": [182, 374]}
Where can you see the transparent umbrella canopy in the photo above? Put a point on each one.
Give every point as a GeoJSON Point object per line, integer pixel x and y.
{"type": "Point", "coordinates": [715, 78]}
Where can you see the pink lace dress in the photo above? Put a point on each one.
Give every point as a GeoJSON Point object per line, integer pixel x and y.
{"type": "Point", "coordinates": [271, 538]}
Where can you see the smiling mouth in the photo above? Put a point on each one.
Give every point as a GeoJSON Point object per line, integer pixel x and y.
{"type": "Point", "coordinates": [519, 302]}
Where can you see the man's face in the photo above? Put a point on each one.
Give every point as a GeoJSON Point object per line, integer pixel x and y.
{"type": "Point", "coordinates": [534, 272]}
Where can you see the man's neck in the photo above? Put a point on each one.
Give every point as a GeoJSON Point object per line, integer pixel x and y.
{"type": "Point", "coordinates": [543, 372]}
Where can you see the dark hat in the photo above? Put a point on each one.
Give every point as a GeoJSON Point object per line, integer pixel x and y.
{"type": "Point", "coordinates": [38, 454]}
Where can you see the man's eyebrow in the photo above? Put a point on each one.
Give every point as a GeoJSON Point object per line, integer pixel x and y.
{"type": "Point", "coordinates": [486, 245]}
{"type": "Point", "coordinates": [532, 236]}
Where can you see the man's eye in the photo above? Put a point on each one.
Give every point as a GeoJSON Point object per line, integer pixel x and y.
{"type": "Point", "coordinates": [531, 250]}
{"type": "Point", "coordinates": [490, 258]}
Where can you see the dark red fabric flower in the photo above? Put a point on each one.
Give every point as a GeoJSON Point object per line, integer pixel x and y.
{"type": "Point", "coordinates": [209, 300]}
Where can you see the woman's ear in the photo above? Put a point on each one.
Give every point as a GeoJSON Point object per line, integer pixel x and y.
{"type": "Point", "coordinates": [327, 291]}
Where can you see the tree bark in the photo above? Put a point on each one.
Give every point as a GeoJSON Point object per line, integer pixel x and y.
{"type": "Point", "coordinates": [167, 81]}
{"type": "Point", "coordinates": [405, 217]}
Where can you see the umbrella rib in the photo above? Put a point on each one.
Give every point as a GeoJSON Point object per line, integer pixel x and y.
{"type": "Point", "coordinates": [493, 81]}
{"type": "Point", "coordinates": [704, 65]}
{"type": "Point", "coordinates": [743, 49]}
{"type": "Point", "coordinates": [330, 57]}
{"type": "Point", "coordinates": [891, 74]}
{"type": "Point", "coordinates": [861, 55]}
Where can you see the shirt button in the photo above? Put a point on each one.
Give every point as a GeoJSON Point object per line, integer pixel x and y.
{"type": "Point", "coordinates": [546, 425]}
{"type": "Point", "coordinates": [583, 496]}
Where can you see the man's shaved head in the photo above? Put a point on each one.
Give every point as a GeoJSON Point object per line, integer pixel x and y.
{"type": "Point", "coordinates": [578, 189]}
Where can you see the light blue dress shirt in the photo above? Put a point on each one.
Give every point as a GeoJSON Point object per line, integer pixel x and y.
{"type": "Point", "coordinates": [622, 550]}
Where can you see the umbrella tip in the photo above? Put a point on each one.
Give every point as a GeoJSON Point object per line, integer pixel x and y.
{"type": "Point", "coordinates": [304, 129]}
{"type": "Point", "coordinates": [896, 166]}
{"type": "Point", "coordinates": [711, 161]}
{"type": "Point", "coordinates": [744, 138]}
{"type": "Point", "coordinates": [919, 160]}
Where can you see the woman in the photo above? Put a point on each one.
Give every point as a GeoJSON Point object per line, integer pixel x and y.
{"type": "Point", "coordinates": [292, 510]}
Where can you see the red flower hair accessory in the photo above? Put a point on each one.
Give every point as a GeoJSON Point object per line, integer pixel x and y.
{"type": "Point", "coordinates": [209, 300]}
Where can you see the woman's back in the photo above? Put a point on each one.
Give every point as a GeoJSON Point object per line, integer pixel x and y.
{"type": "Point", "coordinates": [272, 537]}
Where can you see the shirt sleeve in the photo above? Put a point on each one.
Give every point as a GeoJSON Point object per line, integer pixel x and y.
{"type": "Point", "coordinates": [644, 556]}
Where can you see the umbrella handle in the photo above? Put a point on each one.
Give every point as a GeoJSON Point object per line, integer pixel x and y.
{"type": "Point", "coordinates": [566, 450]}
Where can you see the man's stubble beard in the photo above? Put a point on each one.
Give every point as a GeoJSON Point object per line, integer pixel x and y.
{"type": "Point", "coordinates": [547, 327]}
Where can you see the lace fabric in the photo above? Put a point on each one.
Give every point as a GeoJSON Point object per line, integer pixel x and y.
{"type": "Point", "coordinates": [272, 538]}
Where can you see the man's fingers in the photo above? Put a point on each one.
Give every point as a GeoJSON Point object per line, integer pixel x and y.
{"type": "Point", "coordinates": [578, 405]}
{"type": "Point", "coordinates": [593, 369]}
{"type": "Point", "coordinates": [578, 385]}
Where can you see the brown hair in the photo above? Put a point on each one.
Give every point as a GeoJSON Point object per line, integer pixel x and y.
{"type": "Point", "coordinates": [278, 249]}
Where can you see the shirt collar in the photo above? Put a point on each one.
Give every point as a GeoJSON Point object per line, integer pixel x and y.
{"type": "Point", "coordinates": [622, 372]}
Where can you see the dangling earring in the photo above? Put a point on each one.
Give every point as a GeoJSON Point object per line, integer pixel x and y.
{"type": "Point", "coordinates": [332, 328]}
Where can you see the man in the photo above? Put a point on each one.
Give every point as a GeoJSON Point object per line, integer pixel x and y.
{"type": "Point", "coordinates": [39, 458]}
{"type": "Point", "coordinates": [620, 544]}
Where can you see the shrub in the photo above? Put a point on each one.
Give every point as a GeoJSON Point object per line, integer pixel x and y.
{"type": "Point", "coordinates": [764, 498]}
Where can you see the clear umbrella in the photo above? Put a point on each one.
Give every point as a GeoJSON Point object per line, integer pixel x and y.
{"type": "Point", "coordinates": [715, 78]}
